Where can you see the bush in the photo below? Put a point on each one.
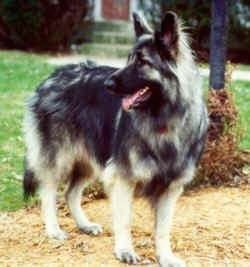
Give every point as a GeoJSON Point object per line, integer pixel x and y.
{"type": "Point", "coordinates": [197, 17]}
{"type": "Point", "coordinates": [223, 161]}
{"type": "Point", "coordinates": [39, 24]}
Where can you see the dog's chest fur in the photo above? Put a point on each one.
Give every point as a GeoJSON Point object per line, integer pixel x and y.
{"type": "Point", "coordinates": [154, 153]}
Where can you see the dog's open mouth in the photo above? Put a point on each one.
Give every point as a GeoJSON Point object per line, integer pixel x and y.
{"type": "Point", "coordinates": [136, 99]}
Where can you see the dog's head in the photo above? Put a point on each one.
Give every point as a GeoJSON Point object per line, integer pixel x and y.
{"type": "Point", "coordinates": [148, 78]}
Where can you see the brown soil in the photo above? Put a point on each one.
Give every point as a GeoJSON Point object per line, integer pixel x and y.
{"type": "Point", "coordinates": [211, 228]}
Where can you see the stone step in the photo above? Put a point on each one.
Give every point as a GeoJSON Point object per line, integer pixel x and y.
{"type": "Point", "coordinates": [104, 50]}
{"type": "Point", "coordinates": [104, 32]}
{"type": "Point", "coordinates": [112, 37]}
{"type": "Point", "coordinates": [113, 26]}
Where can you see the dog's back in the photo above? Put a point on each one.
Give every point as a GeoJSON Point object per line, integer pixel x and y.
{"type": "Point", "coordinates": [69, 117]}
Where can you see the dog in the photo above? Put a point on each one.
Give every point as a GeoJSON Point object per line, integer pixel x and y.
{"type": "Point", "coordinates": [144, 124]}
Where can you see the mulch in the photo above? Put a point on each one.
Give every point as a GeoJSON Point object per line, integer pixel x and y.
{"type": "Point", "coordinates": [223, 161]}
{"type": "Point", "coordinates": [211, 228]}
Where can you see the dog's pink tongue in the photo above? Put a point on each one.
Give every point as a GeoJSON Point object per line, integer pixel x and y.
{"type": "Point", "coordinates": [128, 101]}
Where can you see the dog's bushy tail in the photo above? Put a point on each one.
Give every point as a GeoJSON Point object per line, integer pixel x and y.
{"type": "Point", "coordinates": [30, 184]}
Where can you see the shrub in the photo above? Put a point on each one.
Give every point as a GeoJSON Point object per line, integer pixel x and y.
{"type": "Point", "coordinates": [38, 24]}
{"type": "Point", "coordinates": [223, 161]}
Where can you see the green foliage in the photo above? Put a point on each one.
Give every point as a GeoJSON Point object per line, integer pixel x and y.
{"type": "Point", "coordinates": [197, 17]}
{"type": "Point", "coordinates": [40, 25]}
{"type": "Point", "coordinates": [24, 19]}
{"type": "Point", "coordinates": [195, 13]}
{"type": "Point", "coordinates": [239, 25]}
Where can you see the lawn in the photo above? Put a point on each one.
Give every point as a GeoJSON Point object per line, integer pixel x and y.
{"type": "Point", "coordinates": [243, 67]}
{"type": "Point", "coordinates": [20, 73]}
{"type": "Point", "coordinates": [240, 67]}
{"type": "Point", "coordinates": [241, 91]}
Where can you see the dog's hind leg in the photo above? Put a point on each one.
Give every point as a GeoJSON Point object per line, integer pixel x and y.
{"type": "Point", "coordinates": [164, 213]}
{"type": "Point", "coordinates": [48, 190]}
{"type": "Point", "coordinates": [73, 198]}
{"type": "Point", "coordinates": [121, 195]}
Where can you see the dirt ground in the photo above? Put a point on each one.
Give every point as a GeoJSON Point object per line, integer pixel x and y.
{"type": "Point", "coordinates": [211, 228]}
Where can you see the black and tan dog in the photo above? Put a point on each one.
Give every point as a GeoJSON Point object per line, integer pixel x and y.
{"type": "Point", "coordinates": [145, 123]}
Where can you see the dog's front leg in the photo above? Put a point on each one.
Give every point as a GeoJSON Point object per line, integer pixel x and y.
{"type": "Point", "coordinates": [164, 213]}
{"type": "Point", "coordinates": [121, 196]}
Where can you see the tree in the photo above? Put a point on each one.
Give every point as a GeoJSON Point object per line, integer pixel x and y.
{"type": "Point", "coordinates": [218, 37]}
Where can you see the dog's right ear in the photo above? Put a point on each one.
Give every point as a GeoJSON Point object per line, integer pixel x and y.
{"type": "Point", "coordinates": [168, 35]}
{"type": "Point", "coordinates": [140, 26]}
{"type": "Point", "coordinates": [169, 30]}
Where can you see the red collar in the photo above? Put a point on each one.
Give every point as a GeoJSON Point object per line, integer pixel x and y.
{"type": "Point", "coordinates": [163, 129]}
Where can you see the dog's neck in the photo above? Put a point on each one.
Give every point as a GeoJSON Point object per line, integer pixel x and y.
{"type": "Point", "coordinates": [162, 129]}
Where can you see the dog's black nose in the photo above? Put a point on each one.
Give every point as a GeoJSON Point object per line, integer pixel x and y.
{"type": "Point", "coordinates": [109, 84]}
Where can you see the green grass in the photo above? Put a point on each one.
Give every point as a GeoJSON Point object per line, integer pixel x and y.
{"type": "Point", "coordinates": [20, 73]}
{"type": "Point", "coordinates": [243, 67]}
{"type": "Point", "coordinates": [241, 91]}
{"type": "Point", "coordinates": [104, 50]}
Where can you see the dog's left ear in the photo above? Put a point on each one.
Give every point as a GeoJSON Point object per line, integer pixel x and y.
{"type": "Point", "coordinates": [140, 25]}
{"type": "Point", "coordinates": [169, 33]}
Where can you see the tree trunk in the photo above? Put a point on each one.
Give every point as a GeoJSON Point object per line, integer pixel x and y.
{"type": "Point", "coordinates": [218, 38]}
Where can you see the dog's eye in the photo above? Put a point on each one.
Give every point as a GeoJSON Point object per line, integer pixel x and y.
{"type": "Point", "coordinates": [140, 58]}
{"type": "Point", "coordinates": [140, 62]}
{"type": "Point", "coordinates": [139, 55]}
{"type": "Point", "coordinates": [144, 61]}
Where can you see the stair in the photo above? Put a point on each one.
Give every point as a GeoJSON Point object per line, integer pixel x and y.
{"type": "Point", "coordinates": [112, 38]}
{"type": "Point", "coordinates": [104, 50]}
{"type": "Point", "coordinates": [113, 26]}
{"type": "Point", "coordinates": [105, 39]}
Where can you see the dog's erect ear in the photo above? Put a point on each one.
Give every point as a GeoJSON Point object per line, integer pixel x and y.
{"type": "Point", "coordinates": [169, 29]}
{"type": "Point", "coordinates": [169, 33]}
{"type": "Point", "coordinates": [140, 26]}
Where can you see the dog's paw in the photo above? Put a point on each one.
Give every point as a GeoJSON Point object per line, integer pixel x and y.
{"type": "Point", "coordinates": [127, 256]}
{"type": "Point", "coordinates": [91, 229]}
{"type": "Point", "coordinates": [171, 261]}
{"type": "Point", "coordinates": [57, 234]}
